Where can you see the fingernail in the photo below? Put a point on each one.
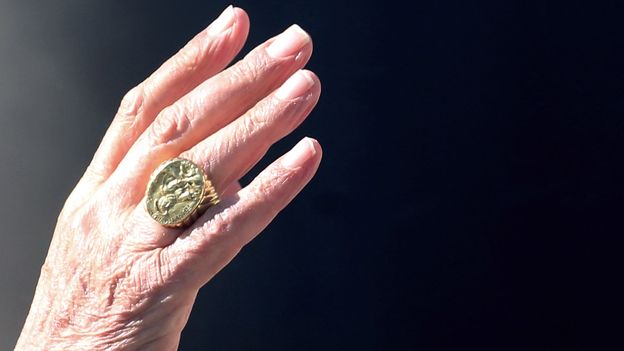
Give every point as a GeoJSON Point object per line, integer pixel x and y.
{"type": "Point", "coordinates": [303, 151]}
{"type": "Point", "coordinates": [223, 22]}
{"type": "Point", "coordinates": [295, 86]}
{"type": "Point", "coordinates": [289, 42]}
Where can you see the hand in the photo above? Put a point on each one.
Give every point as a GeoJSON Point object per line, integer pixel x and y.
{"type": "Point", "coordinates": [114, 279]}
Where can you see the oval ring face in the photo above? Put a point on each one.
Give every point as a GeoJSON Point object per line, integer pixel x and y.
{"type": "Point", "coordinates": [175, 191]}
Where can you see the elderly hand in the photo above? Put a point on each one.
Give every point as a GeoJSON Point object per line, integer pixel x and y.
{"type": "Point", "coordinates": [115, 279]}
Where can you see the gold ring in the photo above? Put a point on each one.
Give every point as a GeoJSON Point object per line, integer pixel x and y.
{"type": "Point", "coordinates": [178, 193]}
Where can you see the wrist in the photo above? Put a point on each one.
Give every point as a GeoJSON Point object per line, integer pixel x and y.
{"type": "Point", "coordinates": [48, 329]}
{"type": "Point", "coordinates": [65, 339]}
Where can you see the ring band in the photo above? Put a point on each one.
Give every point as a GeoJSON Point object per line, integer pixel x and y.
{"type": "Point", "coordinates": [178, 193]}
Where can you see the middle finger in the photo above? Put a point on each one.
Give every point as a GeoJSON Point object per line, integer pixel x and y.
{"type": "Point", "coordinates": [209, 107]}
{"type": "Point", "coordinates": [229, 153]}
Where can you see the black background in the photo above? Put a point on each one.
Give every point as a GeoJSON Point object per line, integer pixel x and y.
{"type": "Point", "coordinates": [470, 192]}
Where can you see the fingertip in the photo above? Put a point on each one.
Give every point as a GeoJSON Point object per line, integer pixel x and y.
{"type": "Point", "coordinates": [298, 28]}
{"type": "Point", "coordinates": [241, 16]}
{"type": "Point", "coordinates": [298, 155]}
{"type": "Point", "coordinates": [318, 153]}
{"type": "Point", "coordinates": [301, 83]}
{"type": "Point", "coordinates": [229, 42]}
{"type": "Point", "coordinates": [241, 24]}
{"type": "Point", "coordinates": [318, 150]}
{"type": "Point", "coordinates": [233, 23]}
{"type": "Point", "coordinates": [310, 76]}
{"type": "Point", "coordinates": [301, 155]}
{"type": "Point", "coordinates": [314, 77]}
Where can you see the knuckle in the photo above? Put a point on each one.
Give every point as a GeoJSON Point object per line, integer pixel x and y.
{"type": "Point", "coordinates": [240, 73]}
{"type": "Point", "coordinates": [163, 267]}
{"type": "Point", "coordinates": [216, 227]}
{"type": "Point", "coordinates": [250, 69]}
{"type": "Point", "coordinates": [262, 116]}
{"type": "Point", "coordinates": [96, 172]}
{"type": "Point", "coordinates": [266, 187]}
{"type": "Point", "coordinates": [169, 126]}
{"type": "Point", "coordinates": [268, 110]}
{"type": "Point", "coordinates": [47, 269]}
{"type": "Point", "coordinates": [214, 232]}
{"type": "Point", "coordinates": [189, 58]}
{"type": "Point", "coordinates": [256, 120]}
{"type": "Point", "coordinates": [193, 56]}
{"type": "Point", "coordinates": [133, 102]}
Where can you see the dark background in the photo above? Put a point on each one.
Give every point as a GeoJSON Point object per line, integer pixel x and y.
{"type": "Point", "coordinates": [470, 195]}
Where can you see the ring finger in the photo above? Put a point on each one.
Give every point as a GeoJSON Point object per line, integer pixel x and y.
{"type": "Point", "coordinates": [209, 107]}
{"type": "Point", "coordinates": [228, 154]}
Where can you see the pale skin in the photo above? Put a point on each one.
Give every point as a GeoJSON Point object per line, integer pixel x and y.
{"type": "Point", "coordinates": [114, 279]}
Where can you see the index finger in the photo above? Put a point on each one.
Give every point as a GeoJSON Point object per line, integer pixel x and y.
{"type": "Point", "coordinates": [204, 56]}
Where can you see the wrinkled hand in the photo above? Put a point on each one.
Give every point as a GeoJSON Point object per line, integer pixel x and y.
{"type": "Point", "coordinates": [114, 279]}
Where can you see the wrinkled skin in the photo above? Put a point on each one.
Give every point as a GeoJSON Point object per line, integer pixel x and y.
{"type": "Point", "coordinates": [114, 279]}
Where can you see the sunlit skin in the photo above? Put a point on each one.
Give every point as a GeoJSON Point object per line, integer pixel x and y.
{"type": "Point", "coordinates": [114, 279]}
